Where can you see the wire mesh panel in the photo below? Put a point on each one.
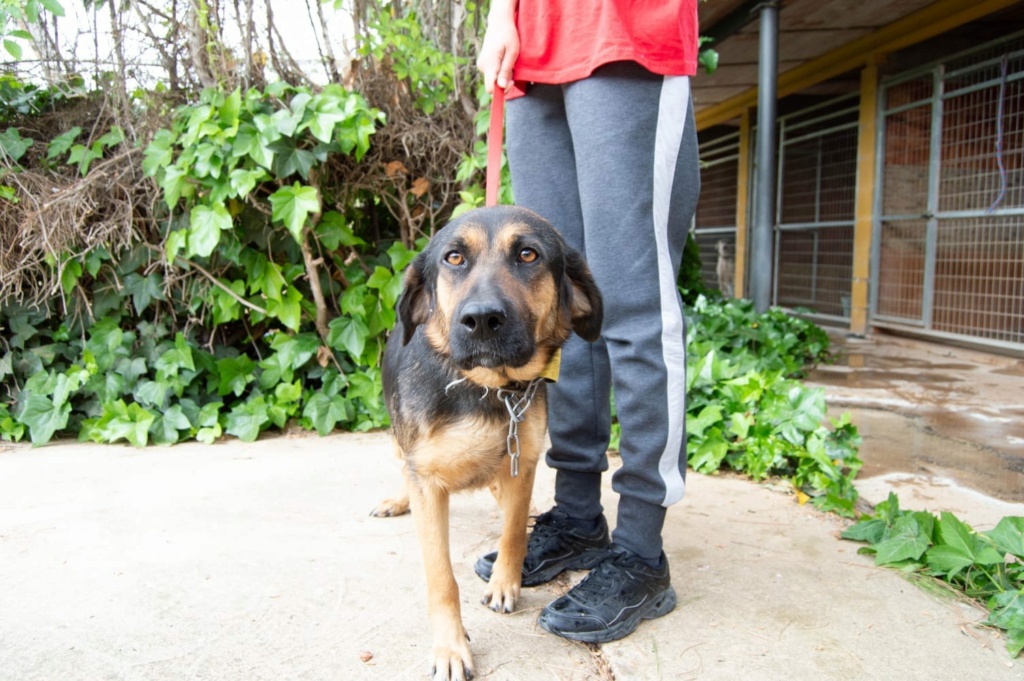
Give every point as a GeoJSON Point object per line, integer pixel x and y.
{"type": "Point", "coordinates": [979, 278]}
{"type": "Point", "coordinates": [814, 269]}
{"type": "Point", "coordinates": [899, 275]}
{"type": "Point", "coordinates": [817, 190]}
{"type": "Point", "coordinates": [950, 255]}
{"type": "Point", "coordinates": [716, 209]}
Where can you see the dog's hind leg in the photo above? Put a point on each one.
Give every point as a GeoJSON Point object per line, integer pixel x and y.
{"type": "Point", "coordinates": [451, 658]}
{"type": "Point", "coordinates": [398, 504]}
{"type": "Point", "coordinates": [392, 506]}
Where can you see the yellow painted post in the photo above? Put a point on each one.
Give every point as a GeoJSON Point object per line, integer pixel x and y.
{"type": "Point", "coordinates": [863, 229]}
{"type": "Point", "coordinates": [742, 206]}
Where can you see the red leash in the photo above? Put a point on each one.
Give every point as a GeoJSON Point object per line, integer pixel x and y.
{"type": "Point", "coordinates": [494, 142]}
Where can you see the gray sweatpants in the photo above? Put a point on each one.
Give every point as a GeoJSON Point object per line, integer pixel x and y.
{"type": "Point", "coordinates": [611, 161]}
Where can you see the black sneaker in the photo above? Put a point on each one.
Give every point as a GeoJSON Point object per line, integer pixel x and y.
{"type": "Point", "coordinates": [612, 600]}
{"type": "Point", "coordinates": [556, 544]}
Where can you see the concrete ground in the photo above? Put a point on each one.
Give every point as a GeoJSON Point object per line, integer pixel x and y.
{"type": "Point", "coordinates": [259, 561]}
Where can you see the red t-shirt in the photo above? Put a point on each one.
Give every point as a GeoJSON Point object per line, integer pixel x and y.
{"type": "Point", "coordinates": [566, 40]}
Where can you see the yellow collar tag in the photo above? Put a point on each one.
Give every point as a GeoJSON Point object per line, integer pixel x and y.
{"type": "Point", "coordinates": [550, 372]}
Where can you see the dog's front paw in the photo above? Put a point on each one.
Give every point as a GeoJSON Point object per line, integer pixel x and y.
{"type": "Point", "coordinates": [452, 660]}
{"type": "Point", "coordinates": [391, 507]}
{"type": "Point", "coordinates": [501, 594]}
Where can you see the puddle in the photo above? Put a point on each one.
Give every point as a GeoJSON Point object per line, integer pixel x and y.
{"type": "Point", "coordinates": [859, 360]}
{"type": "Point", "coordinates": [868, 378]}
{"type": "Point", "coordinates": [1012, 370]}
{"type": "Point", "coordinates": [894, 443]}
{"type": "Point", "coordinates": [931, 410]}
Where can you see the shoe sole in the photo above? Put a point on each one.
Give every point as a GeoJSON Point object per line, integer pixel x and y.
{"type": "Point", "coordinates": [584, 561]}
{"type": "Point", "coordinates": [662, 606]}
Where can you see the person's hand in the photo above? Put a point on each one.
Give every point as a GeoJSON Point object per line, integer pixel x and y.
{"type": "Point", "coordinates": [499, 51]}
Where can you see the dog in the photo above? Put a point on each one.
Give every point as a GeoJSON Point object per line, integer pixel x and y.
{"type": "Point", "coordinates": [484, 309]}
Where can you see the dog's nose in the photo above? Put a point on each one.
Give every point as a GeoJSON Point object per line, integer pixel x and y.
{"type": "Point", "coordinates": [482, 320]}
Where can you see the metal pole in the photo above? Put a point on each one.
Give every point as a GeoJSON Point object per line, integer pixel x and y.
{"type": "Point", "coordinates": [764, 189]}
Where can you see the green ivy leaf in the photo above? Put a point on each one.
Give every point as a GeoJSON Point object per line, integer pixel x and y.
{"type": "Point", "coordinates": [44, 418]}
{"type": "Point", "coordinates": [13, 145]}
{"type": "Point", "coordinates": [170, 362]}
{"type": "Point", "coordinates": [174, 184]}
{"type": "Point", "coordinates": [235, 374]}
{"type": "Point", "coordinates": [289, 309]}
{"type": "Point", "coordinates": [246, 420]}
{"type": "Point", "coordinates": [144, 290]}
{"type": "Point", "coordinates": [323, 118]}
{"type": "Point", "coordinates": [1007, 612]}
{"type": "Point", "coordinates": [288, 392]}
{"type": "Point", "coordinates": [353, 301]}
{"type": "Point", "coordinates": [390, 292]}
{"type": "Point", "coordinates": [333, 231]}
{"type": "Point", "coordinates": [152, 394]}
{"type": "Point", "coordinates": [206, 223]}
{"type": "Point", "coordinates": [53, 7]}
{"type": "Point", "coordinates": [1008, 536]}
{"type": "Point", "coordinates": [709, 415]}
{"type": "Point", "coordinates": [249, 141]}
{"type": "Point", "coordinates": [380, 319]}
{"type": "Point", "coordinates": [159, 153]}
{"type": "Point", "coordinates": [13, 49]}
{"type": "Point", "coordinates": [130, 422]}
{"type": "Point", "coordinates": [961, 540]}
{"type": "Point", "coordinates": [61, 144]}
{"type": "Point", "coordinates": [70, 275]}
{"type": "Point", "coordinates": [226, 307]}
{"type": "Point", "coordinates": [167, 427]}
{"type": "Point", "coordinates": [295, 351]}
{"type": "Point", "coordinates": [289, 159]}
{"type": "Point", "coordinates": [176, 241]}
{"type": "Point", "coordinates": [243, 180]}
{"type": "Point", "coordinates": [400, 256]}
{"type": "Point", "coordinates": [348, 334]}
{"type": "Point", "coordinates": [871, 531]}
{"type": "Point", "coordinates": [324, 412]}
{"type": "Point", "coordinates": [83, 156]}
{"type": "Point", "coordinates": [113, 137]}
{"type": "Point", "coordinates": [229, 112]}
{"type": "Point", "coordinates": [908, 540]}
{"type": "Point", "coordinates": [209, 434]}
{"type": "Point", "coordinates": [292, 205]}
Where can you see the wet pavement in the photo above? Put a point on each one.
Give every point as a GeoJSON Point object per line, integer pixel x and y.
{"type": "Point", "coordinates": [930, 415]}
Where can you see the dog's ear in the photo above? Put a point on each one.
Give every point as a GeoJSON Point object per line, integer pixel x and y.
{"type": "Point", "coordinates": [580, 298]}
{"type": "Point", "coordinates": [416, 300]}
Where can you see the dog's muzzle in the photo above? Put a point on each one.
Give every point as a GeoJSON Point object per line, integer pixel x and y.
{"type": "Point", "coordinates": [489, 334]}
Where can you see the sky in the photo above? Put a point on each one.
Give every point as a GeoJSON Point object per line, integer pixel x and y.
{"type": "Point", "coordinates": [85, 33]}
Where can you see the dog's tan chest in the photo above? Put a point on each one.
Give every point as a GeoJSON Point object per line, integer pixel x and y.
{"type": "Point", "coordinates": [461, 455]}
{"type": "Point", "coordinates": [472, 451]}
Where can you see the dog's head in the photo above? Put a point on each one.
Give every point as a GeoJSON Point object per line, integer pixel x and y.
{"type": "Point", "coordinates": [497, 290]}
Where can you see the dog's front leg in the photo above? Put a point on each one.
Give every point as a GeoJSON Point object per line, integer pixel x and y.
{"type": "Point", "coordinates": [451, 658]}
{"type": "Point", "coordinates": [513, 495]}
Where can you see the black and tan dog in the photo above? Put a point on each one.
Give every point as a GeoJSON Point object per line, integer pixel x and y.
{"type": "Point", "coordinates": [484, 310]}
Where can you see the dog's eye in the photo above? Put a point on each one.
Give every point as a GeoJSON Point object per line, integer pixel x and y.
{"type": "Point", "coordinates": [527, 255]}
{"type": "Point", "coordinates": [454, 259]}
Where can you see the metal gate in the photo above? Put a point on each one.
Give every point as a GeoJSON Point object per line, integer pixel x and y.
{"type": "Point", "coordinates": [715, 220]}
{"type": "Point", "coordinates": [815, 215]}
{"type": "Point", "coordinates": [949, 233]}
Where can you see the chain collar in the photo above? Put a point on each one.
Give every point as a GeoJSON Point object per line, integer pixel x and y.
{"type": "Point", "coordinates": [517, 402]}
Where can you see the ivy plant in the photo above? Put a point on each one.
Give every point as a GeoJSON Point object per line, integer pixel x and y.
{"type": "Point", "coordinates": [747, 411]}
{"type": "Point", "coordinates": [986, 566]}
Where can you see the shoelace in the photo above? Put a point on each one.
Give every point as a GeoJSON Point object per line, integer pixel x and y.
{"type": "Point", "coordinates": [544, 530]}
{"type": "Point", "coordinates": [608, 574]}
